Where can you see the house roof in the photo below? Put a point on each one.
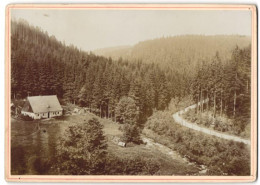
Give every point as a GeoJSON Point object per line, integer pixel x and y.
{"type": "Point", "coordinates": [44, 103]}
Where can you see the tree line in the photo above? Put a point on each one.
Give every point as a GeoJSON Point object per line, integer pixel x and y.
{"type": "Point", "coordinates": [180, 53]}
{"type": "Point", "coordinates": [42, 65]}
{"type": "Point", "coordinates": [226, 86]}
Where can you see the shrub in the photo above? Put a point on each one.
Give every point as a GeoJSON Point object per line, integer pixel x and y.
{"type": "Point", "coordinates": [41, 165]}
{"type": "Point", "coordinates": [131, 133]}
{"type": "Point", "coordinates": [82, 149]}
{"type": "Point", "coordinates": [19, 165]}
{"type": "Point", "coordinates": [201, 148]}
{"type": "Point", "coordinates": [238, 165]}
{"type": "Point", "coordinates": [131, 166]}
{"type": "Point", "coordinates": [26, 117]}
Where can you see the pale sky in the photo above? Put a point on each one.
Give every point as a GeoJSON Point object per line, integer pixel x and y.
{"type": "Point", "coordinates": [94, 29]}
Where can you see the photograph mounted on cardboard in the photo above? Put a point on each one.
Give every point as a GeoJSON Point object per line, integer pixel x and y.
{"type": "Point", "coordinates": [131, 93]}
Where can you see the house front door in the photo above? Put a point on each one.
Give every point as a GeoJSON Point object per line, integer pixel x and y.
{"type": "Point", "coordinates": [48, 114]}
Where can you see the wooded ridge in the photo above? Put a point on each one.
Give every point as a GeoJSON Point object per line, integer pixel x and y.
{"type": "Point", "coordinates": [42, 65]}
{"type": "Point", "coordinates": [135, 89]}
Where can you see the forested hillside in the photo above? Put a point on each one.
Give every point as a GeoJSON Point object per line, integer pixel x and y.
{"type": "Point", "coordinates": [135, 82]}
{"type": "Point", "coordinates": [179, 52]}
{"type": "Point", "coordinates": [226, 86]}
{"type": "Point", "coordinates": [114, 52]}
{"type": "Point", "coordinates": [41, 65]}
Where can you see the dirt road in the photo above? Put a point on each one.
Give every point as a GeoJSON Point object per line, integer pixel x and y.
{"type": "Point", "coordinates": [178, 119]}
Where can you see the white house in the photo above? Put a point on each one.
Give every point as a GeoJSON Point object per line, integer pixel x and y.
{"type": "Point", "coordinates": [38, 107]}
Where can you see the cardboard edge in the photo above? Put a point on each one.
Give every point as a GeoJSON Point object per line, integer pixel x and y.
{"type": "Point", "coordinates": [8, 8]}
{"type": "Point", "coordinates": [7, 48]}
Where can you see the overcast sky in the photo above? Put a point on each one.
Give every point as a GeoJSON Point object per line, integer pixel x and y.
{"type": "Point", "coordinates": [93, 29]}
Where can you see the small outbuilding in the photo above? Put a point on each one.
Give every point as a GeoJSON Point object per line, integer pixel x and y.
{"type": "Point", "coordinates": [38, 107]}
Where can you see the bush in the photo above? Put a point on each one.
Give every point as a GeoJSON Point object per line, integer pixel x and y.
{"type": "Point", "coordinates": [131, 166]}
{"type": "Point", "coordinates": [62, 117]}
{"type": "Point", "coordinates": [82, 149]}
{"type": "Point", "coordinates": [201, 148]}
{"type": "Point", "coordinates": [131, 144]}
{"type": "Point", "coordinates": [221, 123]}
{"type": "Point", "coordinates": [131, 133]}
{"type": "Point", "coordinates": [19, 164]}
{"type": "Point", "coordinates": [238, 166]}
{"type": "Point", "coordinates": [41, 165]}
{"type": "Point", "coordinates": [25, 117]}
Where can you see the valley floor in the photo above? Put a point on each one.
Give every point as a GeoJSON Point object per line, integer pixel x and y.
{"type": "Point", "coordinates": [35, 141]}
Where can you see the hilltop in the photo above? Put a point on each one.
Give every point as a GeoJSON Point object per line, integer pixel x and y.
{"type": "Point", "coordinates": [178, 50]}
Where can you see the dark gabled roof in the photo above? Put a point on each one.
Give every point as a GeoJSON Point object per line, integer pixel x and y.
{"type": "Point", "coordinates": [44, 103]}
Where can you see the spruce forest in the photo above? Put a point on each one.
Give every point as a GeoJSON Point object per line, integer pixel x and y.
{"type": "Point", "coordinates": [139, 85]}
{"type": "Point", "coordinates": [41, 65]}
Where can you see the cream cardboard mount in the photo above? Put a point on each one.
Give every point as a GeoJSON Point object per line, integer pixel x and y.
{"type": "Point", "coordinates": [131, 93]}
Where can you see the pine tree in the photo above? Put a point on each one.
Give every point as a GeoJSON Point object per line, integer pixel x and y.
{"type": "Point", "coordinates": [82, 150]}
{"type": "Point", "coordinates": [126, 111]}
{"type": "Point", "coordinates": [163, 97]}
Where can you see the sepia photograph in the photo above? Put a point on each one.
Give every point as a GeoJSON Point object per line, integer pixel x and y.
{"type": "Point", "coordinates": [131, 93]}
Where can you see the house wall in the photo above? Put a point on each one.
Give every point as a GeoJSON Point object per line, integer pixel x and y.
{"type": "Point", "coordinates": [55, 113]}
{"type": "Point", "coordinates": [31, 114]}
{"type": "Point", "coordinates": [42, 115]}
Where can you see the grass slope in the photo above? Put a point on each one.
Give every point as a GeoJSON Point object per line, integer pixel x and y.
{"type": "Point", "coordinates": [31, 146]}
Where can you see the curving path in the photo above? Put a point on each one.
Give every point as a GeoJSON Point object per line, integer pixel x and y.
{"type": "Point", "coordinates": [178, 119]}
